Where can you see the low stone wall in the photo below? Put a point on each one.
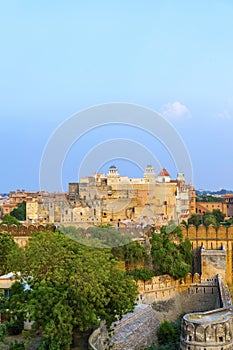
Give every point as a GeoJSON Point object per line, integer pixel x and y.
{"type": "Point", "coordinates": [136, 331]}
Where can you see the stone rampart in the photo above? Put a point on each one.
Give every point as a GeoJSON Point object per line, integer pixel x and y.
{"type": "Point", "coordinates": [142, 321]}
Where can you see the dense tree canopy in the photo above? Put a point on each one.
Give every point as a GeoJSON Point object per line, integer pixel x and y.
{"type": "Point", "coordinates": [72, 287]}
{"type": "Point", "coordinates": [195, 219]}
{"type": "Point", "coordinates": [11, 256]}
{"type": "Point", "coordinates": [171, 254]}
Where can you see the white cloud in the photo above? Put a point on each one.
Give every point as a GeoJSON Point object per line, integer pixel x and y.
{"type": "Point", "coordinates": [225, 115]}
{"type": "Point", "coordinates": [175, 111]}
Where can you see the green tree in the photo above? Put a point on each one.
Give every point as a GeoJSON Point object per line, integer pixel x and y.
{"type": "Point", "coordinates": [195, 219]}
{"type": "Point", "coordinates": [218, 215]}
{"type": "Point", "coordinates": [210, 219]}
{"type": "Point", "coordinates": [72, 288]}
{"type": "Point", "coordinates": [11, 256]}
{"type": "Point", "coordinates": [19, 212]}
{"type": "Point", "coordinates": [11, 308]}
{"type": "Point", "coordinates": [168, 336]}
{"type": "Point", "coordinates": [10, 220]}
{"type": "Point", "coordinates": [166, 333]}
{"type": "Point", "coordinates": [133, 254]}
{"type": "Point", "coordinates": [186, 251]}
{"type": "Point", "coordinates": [168, 251]}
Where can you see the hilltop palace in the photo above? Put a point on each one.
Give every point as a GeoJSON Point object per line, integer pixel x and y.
{"type": "Point", "coordinates": [116, 199]}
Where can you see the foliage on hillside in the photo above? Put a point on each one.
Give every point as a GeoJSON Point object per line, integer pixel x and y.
{"type": "Point", "coordinates": [171, 253]}
{"type": "Point", "coordinates": [143, 274]}
{"type": "Point", "coordinates": [208, 198]}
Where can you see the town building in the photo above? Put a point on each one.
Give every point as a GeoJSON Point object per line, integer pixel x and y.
{"type": "Point", "coordinates": [17, 197]}
{"type": "Point", "coordinates": [225, 205]}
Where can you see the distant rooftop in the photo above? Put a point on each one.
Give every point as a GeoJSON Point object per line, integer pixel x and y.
{"type": "Point", "coordinates": [164, 172]}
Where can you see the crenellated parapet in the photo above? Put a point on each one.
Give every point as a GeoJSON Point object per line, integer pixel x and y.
{"type": "Point", "coordinates": [26, 230]}
{"type": "Point", "coordinates": [209, 232]}
{"type": "Point", "coordinates": [211, 238]}
{"type": "Point", "coordinates": [166, 287]}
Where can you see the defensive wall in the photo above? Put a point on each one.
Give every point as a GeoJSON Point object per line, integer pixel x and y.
{"type": "Point", "coordinates": [160, 298]}
{"type": "Point", "coordinates": [211, 239]}
{"type": "Point", "coordinates": [170, 297]}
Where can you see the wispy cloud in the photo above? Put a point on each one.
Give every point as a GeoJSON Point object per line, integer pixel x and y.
{"type": "Point", "coordinates": [225, 115]}
{"type": "Point", "coordinates": [175, 111]}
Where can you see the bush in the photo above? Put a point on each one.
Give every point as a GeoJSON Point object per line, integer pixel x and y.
{"type": "Point", "coordinates": [15, 327]}
{"type": "Point", "coordinates": [17, 346]}
{"type": "Point", "coordinates": [143, 274]}
{"type": "Point", "coordinates": [166, 333]}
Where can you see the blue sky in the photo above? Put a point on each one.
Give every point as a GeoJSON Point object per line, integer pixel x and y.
{"type": "Point", "coordinates": [57, 58]}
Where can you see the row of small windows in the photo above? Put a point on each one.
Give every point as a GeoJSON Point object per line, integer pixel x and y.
{"type": "Point", "coordinates": [199, 290]}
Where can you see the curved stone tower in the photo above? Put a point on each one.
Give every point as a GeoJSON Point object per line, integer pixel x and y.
{"type": "Point", "coordinates": [212, 330]}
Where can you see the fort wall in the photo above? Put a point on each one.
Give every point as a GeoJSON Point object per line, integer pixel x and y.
{"type": "Point", "coordinates": [170, 297]}
{"type": "Point", "coordinates": [211, 239]}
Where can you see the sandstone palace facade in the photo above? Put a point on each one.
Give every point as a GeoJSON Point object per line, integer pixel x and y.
{"type": "Point", "coordinates": [115, 199]}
